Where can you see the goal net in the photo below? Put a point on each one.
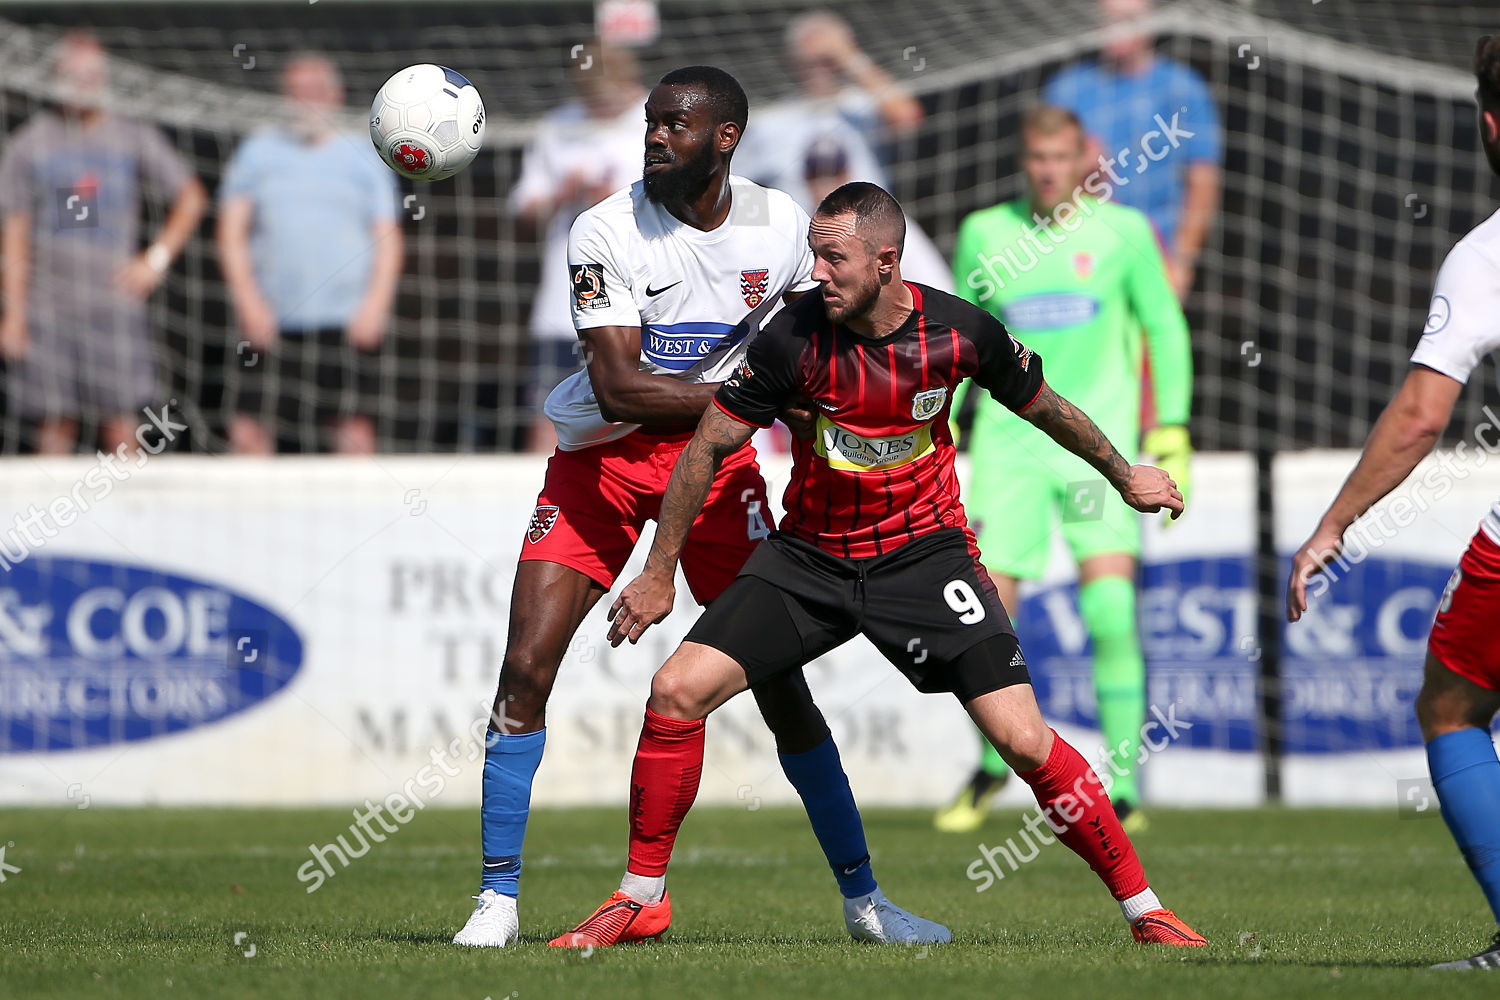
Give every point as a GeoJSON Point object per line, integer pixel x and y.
{"type": "Point", "coordinates": [1351, 166]}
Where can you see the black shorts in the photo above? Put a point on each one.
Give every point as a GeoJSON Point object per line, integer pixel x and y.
{"type": "Point", "coordinates": [925, 606]}
{"type": "Point", "coordinates": [309, 380]}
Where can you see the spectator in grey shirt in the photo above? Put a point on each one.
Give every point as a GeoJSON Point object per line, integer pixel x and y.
{"type": "Point", "coordinates": [76, 278]}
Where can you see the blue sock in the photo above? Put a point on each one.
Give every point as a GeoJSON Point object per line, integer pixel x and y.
{"type": "Point", "coordinates": [1466, 774]}
{"type": "Point", "coordinates": [510, 763]}
{"type": "Point", "coordinates": [819, 778]}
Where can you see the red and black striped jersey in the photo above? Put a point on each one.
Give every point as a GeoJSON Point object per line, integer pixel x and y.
{"type": "Point", "coordinates": [878, 472]}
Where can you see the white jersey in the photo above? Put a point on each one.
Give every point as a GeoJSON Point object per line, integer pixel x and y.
{"type": "Point", "coordinates": [697, 297]}
{"type": "Point", "coordinates": [1463, 321]}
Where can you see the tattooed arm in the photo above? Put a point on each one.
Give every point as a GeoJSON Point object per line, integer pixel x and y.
{"type": "Point", "coordinates": [719, 436]}
{"type": "Point", "coordinates": [1071, 427]}
{"type": "Point", "coordinates": [1145, 488]}
{"type": "Point", "coordinates": [648, 598]}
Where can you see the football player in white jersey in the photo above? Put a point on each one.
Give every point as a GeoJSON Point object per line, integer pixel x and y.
{"type": "Point", "coordinates": [1461, 685]}
{"type": "Point", "coordinates": [671, 278]}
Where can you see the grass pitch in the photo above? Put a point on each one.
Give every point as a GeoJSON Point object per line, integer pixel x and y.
{"type": "Point", "coordinates": [206, 903]}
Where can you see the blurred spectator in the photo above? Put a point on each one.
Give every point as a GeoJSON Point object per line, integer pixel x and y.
{"type": "Point", "coordinates": [311, 248]}
{"type": "Point", "coordinates": [1134, 102]}
{"type": "Point", "coordinates": [828, 135]}
{"type": "Point", "coordinates": [826, 167]}
{"type": "Point", "coordinates": [76, 279]}
{"type": "Point", "coordinates": [844, 96]}
{"type": "Point", "coordinates": [584, 151]}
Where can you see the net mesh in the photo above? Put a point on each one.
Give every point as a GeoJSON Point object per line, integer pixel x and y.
{"type": "Point", "coordinates": [1351, 166]}
{"type": "Point", "coordinates": [1346, 179]}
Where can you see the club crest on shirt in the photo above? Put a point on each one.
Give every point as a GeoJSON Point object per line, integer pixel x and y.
{"type": "Point", "coordinates": [928, 403]}
{"type": "Point", "coordinates": [542, 520]}
{"type": "Point", "coordinates": [753, 286]}
{"type": "Point", "coordinates": [1083, 263]}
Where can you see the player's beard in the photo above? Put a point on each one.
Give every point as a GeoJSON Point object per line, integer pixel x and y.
{"type": "Point", "coordinates": [855, 304]}
{"type": "Point", "coordinates": [683, 181]}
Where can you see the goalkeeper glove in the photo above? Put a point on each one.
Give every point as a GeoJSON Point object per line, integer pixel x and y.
{"type": "Point", "coordinates": [1172, 450]}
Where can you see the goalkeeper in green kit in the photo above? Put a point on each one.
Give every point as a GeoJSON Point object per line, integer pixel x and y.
{"type": "Point", "coordinates": [1076, 278]}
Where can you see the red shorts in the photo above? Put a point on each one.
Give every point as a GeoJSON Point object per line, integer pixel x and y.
{"type": "Point", "coordinates": [1465, 636]}
{"type": "Point", "coordinates": [595, 501]}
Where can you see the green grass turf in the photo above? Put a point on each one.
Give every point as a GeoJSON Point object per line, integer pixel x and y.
{"type": "Point", "coordinates": [146, 903]}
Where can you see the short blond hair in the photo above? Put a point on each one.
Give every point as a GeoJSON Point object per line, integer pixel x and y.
{"type": "Point", "coordinates": [1049, 119]}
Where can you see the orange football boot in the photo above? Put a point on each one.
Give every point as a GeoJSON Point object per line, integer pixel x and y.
{"type": "Point", "coordinates": [620, 920]}
{"type": "Point", "coordinates": [1166, 927]}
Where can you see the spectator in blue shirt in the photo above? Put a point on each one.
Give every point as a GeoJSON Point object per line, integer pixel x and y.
{"type": "Point", "coordinates": [1155, 128]}
{"type": "Point", "coordinates": [311, 248]}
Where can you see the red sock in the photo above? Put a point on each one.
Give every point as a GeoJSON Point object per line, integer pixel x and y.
{"type": "Point", "coordinates": [663, 785]}
{"type": "Point", "coordinates": [1078, 810]}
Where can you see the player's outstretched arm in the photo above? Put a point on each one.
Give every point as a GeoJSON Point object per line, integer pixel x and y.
{"type": "Point", "coordinates": [648, 598]}
{"type": "Point", "coordinates": [1144, 487]}
{"type": "Point", "coordinates": [627, 395]}
{"type": "Point", "coordinates": [1404, 435]}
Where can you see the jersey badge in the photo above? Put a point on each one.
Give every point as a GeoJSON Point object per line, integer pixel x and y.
{"type": "Point", "coordinates": [1437, 316]}
{"type": "Point", "coordinates": [928, 403]}
{"type": "Point", "coordinates": [588, 286]}
{"type": "Point", "coordinates": [753, 286]}
{"type": "Point", "coordinates": [1083, 264]}
{"type": "Point", "coordinates": [542, 520]}
{"type": "Point", "coordinates": [1023, 353]}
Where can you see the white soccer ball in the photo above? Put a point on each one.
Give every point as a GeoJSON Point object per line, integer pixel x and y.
{"type": "Point", "coordinates": [427, 122]}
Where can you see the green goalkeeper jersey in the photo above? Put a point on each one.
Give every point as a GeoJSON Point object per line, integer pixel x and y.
{"type": "Point", "coordinates": [1079, 297]}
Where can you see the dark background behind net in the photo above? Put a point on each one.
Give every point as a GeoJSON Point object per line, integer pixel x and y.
{"type": "Point", "coordinates": [1341, 195]}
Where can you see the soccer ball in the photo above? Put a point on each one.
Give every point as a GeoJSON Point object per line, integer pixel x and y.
{"type": "Point", "coordinates": [427, 122]}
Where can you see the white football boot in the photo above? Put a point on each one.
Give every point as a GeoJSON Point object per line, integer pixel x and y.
{"type": "Point", "coordinates": [493, 924]}
{"type": "Point", "coordinates": [875, 918]}
{"type": "Point", "coordinates": [1487, 959]}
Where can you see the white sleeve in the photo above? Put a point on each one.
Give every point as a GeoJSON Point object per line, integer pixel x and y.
{"type": "Point", "coordinates": [861, 109]}
{"type": "Point", "coordinates": [1463, 321]}
{"type": "Point", "coordinates": [539, 179]}
{"type": "Point", "coordinates": [601, 292]}
{"type": "Point", "coordinates": [923, 262]}
{"type": "Point", "coordinates": [802, 271]}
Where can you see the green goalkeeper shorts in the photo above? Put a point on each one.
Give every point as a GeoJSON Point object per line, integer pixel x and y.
{"type": "Point", "coordinates": [1016, 501]}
